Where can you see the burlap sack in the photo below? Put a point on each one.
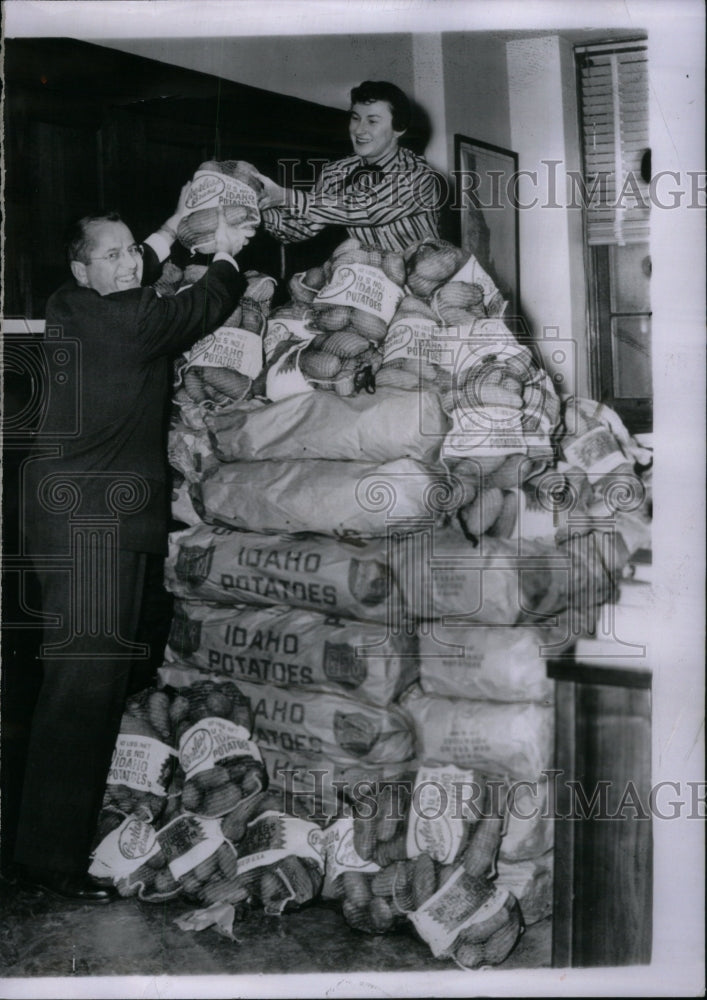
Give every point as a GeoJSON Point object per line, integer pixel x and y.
{"type": "Point", "coordinates": [530, 823]}
{"type": "Point", "coordinates": [390, 424]}
{"type": "Point", "coordinates": [333, 576]}
{"type": "Point", "coordinates": [513, 739]}
{"type": "Point", "coordinates": [500, 664]}
{"type": "Point", "coordinates": [322, 496]}
{"type": "Point", "coordinates": [332, 727]}
{"type": "Point", "coordinates": [293, 648]}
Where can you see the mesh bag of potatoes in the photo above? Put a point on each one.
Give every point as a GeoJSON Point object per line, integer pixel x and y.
{"type": "Point", "coordinates": [357, 289]}
{"type": "Point", "coordinates": [375, 902]}
{"type": "Point", "coordinates": [142, 768]}
{"type": "Point", "coordinates": [223, 367]}
{"type": "Point", "coordinates": [452, 281]}
{"type": "Point", "coordinates": [192, 856]}
{"type": "Point", "coordinates": [221, 764]}
{"type": "Point", "coordinates": [233, 184]}
{"type": "Point", "coordinates": [199, 858]}
{"type": "Point", "coordinates": [465, 917]}
{"type": "Point", "coordinates": [128, 855]}
{"type": "Point", "coordinates": [350, 300]}
{"type": "Point", "coordinates": [256, 855]}
{"type": "Point", "coordinates": [415, 349]}
{"type": "Point", "coordinates": [404, 839]}
{"type": "Point", "coordinates": [503, 406]}
{"type": "Point", "coordinates": [446, 288]}
{"type": "Point", "coordinates": [343, 363]}
{"type": "Point", "coordinates": [280, 863]}
{"type": "Point", "coordinates": [441, 810]}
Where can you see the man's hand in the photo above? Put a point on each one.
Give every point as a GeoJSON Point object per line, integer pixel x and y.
{"type": "Point", "coordinates": [273, 195]}
{"type": "Point", "coordinates": [231, 239]}
{"type": "Point", "coordinates": [180, 210]}
{"type": "Point", "coordinates": [172, 224]}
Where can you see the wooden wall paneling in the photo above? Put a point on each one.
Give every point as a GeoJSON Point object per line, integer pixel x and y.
{"type": "Point", "coordinates": [613, 893]}
{"type": "Point", "coordinates": [603, 863]}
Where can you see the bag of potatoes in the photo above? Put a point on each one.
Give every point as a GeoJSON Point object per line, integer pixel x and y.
{"type": "Point", "coordinates": [233, 184]}
{"type": "Point", "coordinates": [357, 290]}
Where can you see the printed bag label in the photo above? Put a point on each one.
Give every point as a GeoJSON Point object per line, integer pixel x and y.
{"type": "Point", "coordinates": [211, 741]}
{"type": "Point", "coordinates": [487, 431]}
{"type": "Point", "coordinates": [434, 824]}
{"type": "Point", "coordinates": [282, 328]}
{"type": "Point", "coordinates": [451, 909]}
{"type": "Point", "coordinates": [142, 763]}
{"type": "Point", "coordinates": [412, 338]}
{"type": "Point", "coordinates": [362, 287]}
{"type": "Point", "coordinates": [595, 452]}
{"type": "Point", "coordinates": [337, 846]}
{"type": "Point", "coordinates": [284, 378]}
{"type": "Point", "coordinates": [228, 347]}
{"type": "Point", "coordinates": [274, 836]}
{"type": "Point", "coordinates": [124, 850]}
{"type": "Point", "coordinates": [189, 840]}
{"type": "Point", "coordinates": [209, 189]}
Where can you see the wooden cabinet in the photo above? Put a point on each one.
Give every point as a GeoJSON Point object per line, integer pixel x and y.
{"type": "Point", "coordinates": [602, 913]}
{"type": "Point", "coordinates": [88, 127]}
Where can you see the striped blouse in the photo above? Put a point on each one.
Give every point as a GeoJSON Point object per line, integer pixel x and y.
{"type": "Point", "coordinates": [395, 209]}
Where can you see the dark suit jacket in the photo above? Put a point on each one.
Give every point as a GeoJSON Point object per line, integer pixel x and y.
{"type": "Point", "coordinates": [126, 344]}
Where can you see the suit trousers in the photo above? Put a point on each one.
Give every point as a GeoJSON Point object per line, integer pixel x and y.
{"type": "Point", "coordinates": [89, 668]}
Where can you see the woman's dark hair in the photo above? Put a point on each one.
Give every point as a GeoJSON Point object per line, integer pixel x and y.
{"type": "Point", "coordinates": [379, 90]}
{"type": "Point", "coordinates": [77, 240]}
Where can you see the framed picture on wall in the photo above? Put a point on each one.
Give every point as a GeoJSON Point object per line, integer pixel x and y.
{"type": "Point", "coordinates": [486, 178]}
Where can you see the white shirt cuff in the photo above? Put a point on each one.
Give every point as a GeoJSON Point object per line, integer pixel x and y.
{"type": "Point", "coordinates": [160, 244]}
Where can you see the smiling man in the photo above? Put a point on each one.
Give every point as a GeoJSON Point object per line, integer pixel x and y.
{"type": "Point", "coordinates": [95, 516]}
{"type": "Point", "coordinates": [384, 194]}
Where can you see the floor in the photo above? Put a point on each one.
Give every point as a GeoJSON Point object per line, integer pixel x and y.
{"type": "Point", "coordinates": [43, 937]}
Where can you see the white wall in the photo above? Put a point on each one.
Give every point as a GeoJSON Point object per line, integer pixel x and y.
{"type": "Point", "coordinates": [475, 89]}
{"type": "Point", "coordinates": [543, 115]}
{"type": "Point", "coordinates": [429, 92]}
{"type": "Point", "coordinates": [458, 78]}
{"type": "Point", "coordinates": [319, 68]}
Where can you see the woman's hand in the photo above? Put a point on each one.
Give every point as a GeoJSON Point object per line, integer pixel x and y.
{"type": "Point", "coordinates": [231, 239]}
{"type": "Point", "coordinates": [273, 195]}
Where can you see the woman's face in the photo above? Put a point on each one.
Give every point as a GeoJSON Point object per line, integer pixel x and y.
{"type": "Point", "coordinates": [371, 130]}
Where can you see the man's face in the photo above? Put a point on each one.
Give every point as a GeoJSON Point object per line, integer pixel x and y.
{"type": "Point", "coordinates": [114, 260]}
{"type": "Point", "coordinates": [371, 130]}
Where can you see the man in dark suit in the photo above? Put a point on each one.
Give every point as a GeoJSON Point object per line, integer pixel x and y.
{"type": "Point", "coordinates": [96, 515]}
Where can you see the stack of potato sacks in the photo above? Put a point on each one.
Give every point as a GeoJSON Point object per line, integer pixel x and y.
{"type": "Point", "coordinates": [361, 562]}
{"type": "Point", "coordinates": [298, 603]}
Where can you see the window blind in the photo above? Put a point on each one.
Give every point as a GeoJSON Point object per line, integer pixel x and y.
{"type": "Point", "coordinates": [614, 108]}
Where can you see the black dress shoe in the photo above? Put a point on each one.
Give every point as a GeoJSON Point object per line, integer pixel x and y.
{"type": "Point", "coordinates": [62, 885]}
